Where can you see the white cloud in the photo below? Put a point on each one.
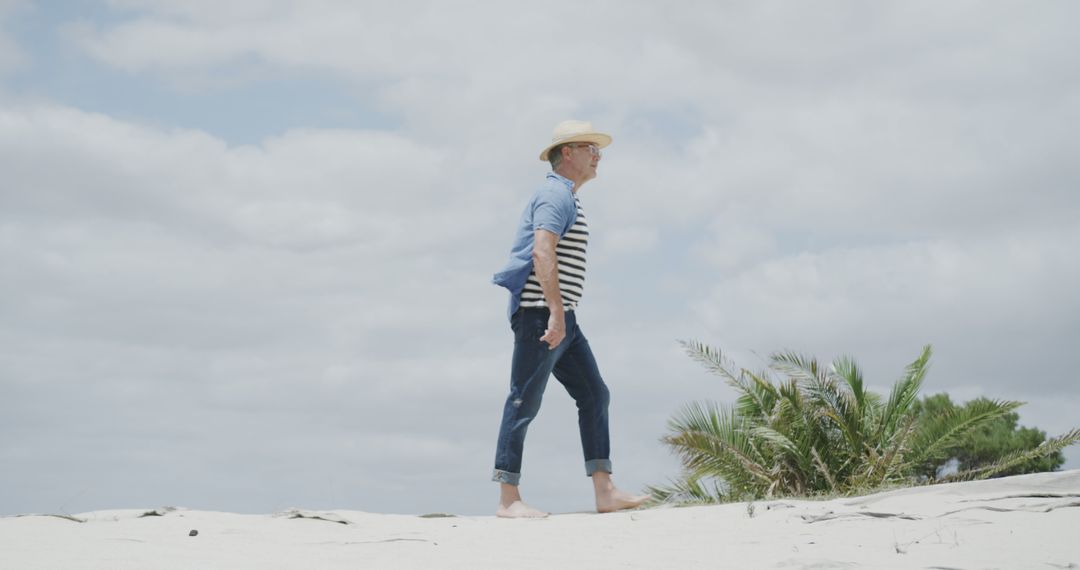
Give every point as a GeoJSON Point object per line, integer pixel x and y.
{"type": "Point", "coordinates": [847, 120]}
{"type": "Point", "coordinates": [284, 277]}
{"type": "Point", "coordinates": [626, 241]}
{"type": "Point", "coordinates": [489, 49]}
{"type": "Point", "coordinates": [984, 302]}
{"type": "Point", "coordinates": [732, 242]}
{"type": "Point", "coordinates": [12, 56]}
{"type": "Point", "coordinates": [305, 188]}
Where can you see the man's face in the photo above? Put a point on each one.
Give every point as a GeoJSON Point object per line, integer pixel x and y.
{"type": "Point", "coordinates": [582, 160]}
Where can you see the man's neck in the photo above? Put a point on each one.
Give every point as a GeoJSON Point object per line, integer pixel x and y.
{"type": "Point", "coordinates": [567, 175]}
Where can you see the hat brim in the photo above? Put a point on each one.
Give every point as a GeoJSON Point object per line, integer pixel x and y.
{"type": "Point", "coordinates": [599, 139]}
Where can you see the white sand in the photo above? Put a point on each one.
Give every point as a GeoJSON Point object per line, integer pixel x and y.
{"type": "Point", "coordinates": [1031, 521]}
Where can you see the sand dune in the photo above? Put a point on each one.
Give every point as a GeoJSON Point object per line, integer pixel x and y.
{"type": "Point", "coordinates": [1030, 521]}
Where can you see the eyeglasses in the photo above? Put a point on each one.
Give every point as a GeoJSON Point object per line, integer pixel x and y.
{"type": "Point", "coordinates": [593, 149]}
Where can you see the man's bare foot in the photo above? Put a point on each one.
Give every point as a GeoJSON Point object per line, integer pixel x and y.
{"type": "Point", "coordinates": [512, 507]}
{"type": "Point", "coordinates": [617, 500]}
{"type": "Point", "coordinates": [610, 499]}
{"type": "Point", "coordinates": [519, 510]}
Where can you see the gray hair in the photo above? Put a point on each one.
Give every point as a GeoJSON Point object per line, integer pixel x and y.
{"type": "Point", "coordinates": [555, 156]}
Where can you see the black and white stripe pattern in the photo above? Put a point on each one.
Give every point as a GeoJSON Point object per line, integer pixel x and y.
{"type": "Point", "coordinates": [570, 252]}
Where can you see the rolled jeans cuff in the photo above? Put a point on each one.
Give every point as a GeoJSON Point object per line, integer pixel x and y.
{"type": "Point", "coordinates": [594, 465]}
{"type": "Point", "coordinates": [506, 477]}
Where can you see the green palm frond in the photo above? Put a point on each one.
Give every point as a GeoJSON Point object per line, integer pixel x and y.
{"type": "Point", "coordinates": [847, 370]}
{"type": "Point", "coordinates": [775, 438]}
{"type": "Point", "coordinates": [834, 401]}
{"type": "Point", "coordinates": [940, 431]}
{"type": "Point", "coordinates": [689, 490]}
{"type": "Point", "coordinates": [823, 469]}
{"type": "Point", "coordinates": [795, 461]}
{"type": "Point", "coordinates": [903, 395]}
{"type": "Point", "coordinates": [761, 395]}
{"type": "Point", "coordinates": [836, 406]}
{"type": "Point", "coordinates": [894, 464]}
{"type": "Point", "coordinates": [711, 358]}
{"type": "Point", "coordinates": [1011, 460]}
{"type": "Point", "coordinates": [795, 365]}
{"type": "Point", "coordinates": [756, 393]}
{"type": "Point", "coordinates": [712, 440]}
{"type": "Point", "coordinates": [855, 404]}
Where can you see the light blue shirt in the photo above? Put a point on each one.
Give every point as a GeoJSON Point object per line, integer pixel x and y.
{"type": "Point", "coordinates": [551, 208]}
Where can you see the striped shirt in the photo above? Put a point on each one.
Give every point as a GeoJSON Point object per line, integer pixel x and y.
{"type": "Point", "coordinates": [570, 252]}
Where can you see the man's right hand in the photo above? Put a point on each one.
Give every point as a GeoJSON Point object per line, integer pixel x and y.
{"type": "Point", "coordinates": [546, 266]}
{"type": "Point", "coordinates": [556, 331]}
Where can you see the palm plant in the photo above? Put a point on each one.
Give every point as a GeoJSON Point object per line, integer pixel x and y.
{"type": "Point", "coordinates": [818, 430]}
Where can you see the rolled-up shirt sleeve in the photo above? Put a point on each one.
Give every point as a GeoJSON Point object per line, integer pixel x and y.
{"type": "Point", "coordinates": [548, 216]}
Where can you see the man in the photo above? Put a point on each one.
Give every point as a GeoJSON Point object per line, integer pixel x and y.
{"type": "Point", "coordinates": [546, 278]}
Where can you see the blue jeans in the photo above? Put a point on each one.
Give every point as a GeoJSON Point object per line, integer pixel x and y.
{"type": "Point", "coordinates": [574, 366]}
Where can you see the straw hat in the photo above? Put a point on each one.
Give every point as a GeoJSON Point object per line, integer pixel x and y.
{"type": "Point", "coordinates": [575, 131]}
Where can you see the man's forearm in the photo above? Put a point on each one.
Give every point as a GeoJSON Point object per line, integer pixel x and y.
{"type": "Point", "coordinates": [546, 265]}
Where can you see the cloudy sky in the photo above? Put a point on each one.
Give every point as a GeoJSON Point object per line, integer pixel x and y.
{"type": "Point", "coordinates": [245, 247]}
